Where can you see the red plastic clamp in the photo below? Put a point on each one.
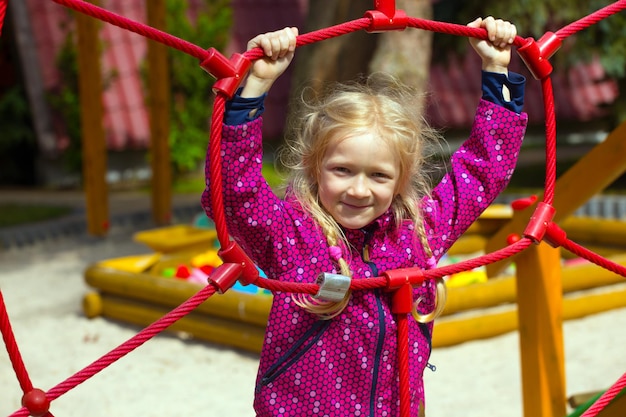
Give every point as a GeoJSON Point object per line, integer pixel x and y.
{"type": "Point", "coordinates": [536, 55]}
{"type": "Point", "coordinates": [523, 203]}
{"type": "Point", "coordinates": [398, 277]}
{"type": "Point", "coordinates": [402, 300]}
{"type": "Point", "coordinates": [225, 276]}
{"type": "Point", "coordinates": [229, 73]}
{"type": "Point", "coordinates": [386, 17]}
{"type": "Point", "coordinates": [235, 255]}
{"type": "Point", "coordinates": [539, 222]}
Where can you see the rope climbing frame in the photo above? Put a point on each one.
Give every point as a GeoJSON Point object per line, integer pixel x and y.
{"type": "Point", "coordinates": [237, 266]}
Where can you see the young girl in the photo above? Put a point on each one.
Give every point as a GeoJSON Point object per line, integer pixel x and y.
{"type": "Point", "coordinates": [357, 204]}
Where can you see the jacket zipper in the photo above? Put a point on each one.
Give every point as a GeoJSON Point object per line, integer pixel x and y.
{"type": "Point", "coordinates": [381, 324]}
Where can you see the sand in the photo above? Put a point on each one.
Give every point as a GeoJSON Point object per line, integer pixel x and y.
{"type": "Point", "coordinates": [168, 376]}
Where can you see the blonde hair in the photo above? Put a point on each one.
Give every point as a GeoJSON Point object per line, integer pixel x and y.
{"type": "Point", "coordinates": [378, 103]}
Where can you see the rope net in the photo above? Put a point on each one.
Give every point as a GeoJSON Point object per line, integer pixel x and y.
{"type": "Point", "coordinates": [237, 266]}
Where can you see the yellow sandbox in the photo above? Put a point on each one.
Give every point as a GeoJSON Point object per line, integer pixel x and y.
{"type": "Point", "coordinates": [134, 289]}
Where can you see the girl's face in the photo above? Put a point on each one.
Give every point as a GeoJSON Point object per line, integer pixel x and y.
{"type": "Point", "coordinates": [358, 179]}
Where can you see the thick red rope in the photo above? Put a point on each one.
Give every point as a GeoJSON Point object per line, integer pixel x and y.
{"type": "Point", "coordinates": [12, 348]}
{"type": "Point", "coordinates": [136, 27]}
{"type": "Point", "coordinates": [549, 112]}
{"type": "Point", "coordinates": [606, 398]}
{"type": "Point", "coordinates": [591, 19]}
{"type": "Point", "coordinates": [125, 348]}
{"type": "Point", "coordinates": [403, 364]}
{"type": "Point", "coordinates": [3, 13]}
{"type": "Point", "coordinates": [585, 253]}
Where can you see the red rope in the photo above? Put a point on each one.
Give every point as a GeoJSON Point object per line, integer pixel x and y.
{"type": "Point", "coordinates": [11, 345]}
{"type": "Point", "coordinates": [215, 167]}
{"type": "Point", "coordinates": [591, 19]}
{"type": "Point", "coordinates": [381, 282]}
{"type": "Point", "coordinates": [585, 253]}
{"type": "Point", "coordinates": [606, 398]}
{"type": "Point", "coordinates": [125, 348]}
{"type": "Point", "coordinates": [403, 364]}
{"type": "Point", "coordinates": [3, 13]}
{"type": "Point", "coordinates": [548, 98]}
{"type": "Point", "coordinates": [136, 27]}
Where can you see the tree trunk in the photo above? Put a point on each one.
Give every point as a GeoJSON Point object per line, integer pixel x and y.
{"type": "Point", "coordinates": [338, 59]}
{"type": "Point", "coordinates": [406, 54]}
{"type": "Point", "coordinates": [346, 57]}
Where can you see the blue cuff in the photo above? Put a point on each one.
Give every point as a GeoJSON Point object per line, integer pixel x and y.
{"type": "Point", "coordinates": [238, 109]}
{"type": "Point", "coordinates": [492, 89]}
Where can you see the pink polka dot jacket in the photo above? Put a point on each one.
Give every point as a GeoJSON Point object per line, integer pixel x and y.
{"type": "Point", "coordinates": [347, 366]}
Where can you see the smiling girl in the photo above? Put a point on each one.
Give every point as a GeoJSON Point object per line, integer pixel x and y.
{"type": "Point", "coordinates": [358, 203]}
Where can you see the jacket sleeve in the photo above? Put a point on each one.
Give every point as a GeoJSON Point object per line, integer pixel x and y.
{"type": "Point", "coordinates": [255, 216]}
{"type": "Point", "coordinates": [479, 171]}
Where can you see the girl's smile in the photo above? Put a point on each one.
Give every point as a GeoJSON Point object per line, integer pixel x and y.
{"type": "Point", "coordinates": [358, 179]}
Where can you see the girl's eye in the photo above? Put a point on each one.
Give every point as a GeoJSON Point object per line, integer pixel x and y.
{"type": "Point", "coordinates": [380, 175]}
{"type": "Point", "coordinates": [342, 170]}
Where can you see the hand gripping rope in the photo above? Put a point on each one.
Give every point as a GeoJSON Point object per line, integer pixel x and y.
{"type": "Point", "coordinates": [229, 74]}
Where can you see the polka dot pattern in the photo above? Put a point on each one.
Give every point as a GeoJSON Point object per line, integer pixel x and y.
{"type": "Point", "coordinates": [347, 365]}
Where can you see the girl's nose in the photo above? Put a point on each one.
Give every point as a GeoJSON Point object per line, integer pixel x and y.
{"type": "Point", "coordinates": [358, 187]}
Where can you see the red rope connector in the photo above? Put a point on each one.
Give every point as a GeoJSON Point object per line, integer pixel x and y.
{"type": "Point", "coordinates": [386, 17]}
{"type": "Point", "coordinates": [539, 222]}
{"type": "Point", "coordinates": [523, 203]}
{"type": "Point", "coordinates": [235, 255]}
{"type": "Point", "coordinates": [36, 402]}
{"type": "Point", "coordinates": [401, 282]}
{"type": "Point", "coordinates": [225, 276]}
{"type": "Point", "coordinates": [536, 55]}
{"type": "Point", "coordinates": [229, 73]}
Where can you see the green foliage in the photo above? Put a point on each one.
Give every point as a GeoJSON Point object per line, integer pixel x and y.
{"type": "Point", "coordinates": [15, 119]}
{"type": "Point", "coordinates": [191, 86]}
{"type": "Point", "coordinates": [65, 101]}
{"type": "Point", "coordinates": [16, 214]}
{"type": "Point", "coordinates": [534, 18]}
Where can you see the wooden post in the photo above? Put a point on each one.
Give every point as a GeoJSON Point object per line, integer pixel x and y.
{"type": "Point", "coordinates": [159, 91]}
{"type": "Point", "coordinates": [93, 139]}
{"type": "Point", "coordinates": [540, 314]}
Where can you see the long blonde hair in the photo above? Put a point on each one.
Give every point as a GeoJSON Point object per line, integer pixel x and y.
{"type": "Point", "coordinates": [380, 104]}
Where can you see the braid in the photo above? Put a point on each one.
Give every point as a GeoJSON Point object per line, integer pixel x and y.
{"type": "Point", "coordinates": [441, 293]}
{"type": "Point", "coordinates": [326, 310]}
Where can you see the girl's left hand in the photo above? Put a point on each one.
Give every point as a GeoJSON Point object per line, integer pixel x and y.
{"type": "Point", "coordinates": [496, 51]}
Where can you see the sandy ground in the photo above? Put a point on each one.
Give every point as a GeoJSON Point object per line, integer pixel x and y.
{"type": "Point", "coordinates": [168, 376]}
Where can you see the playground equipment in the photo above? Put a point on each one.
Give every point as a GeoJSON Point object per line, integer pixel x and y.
{"type": "Point", "coordinates": [537, 259]}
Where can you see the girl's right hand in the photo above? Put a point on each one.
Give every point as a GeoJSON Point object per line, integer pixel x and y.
{"type": "Point", "coordinates": [279, 48]}
{"type": "Point", "coordinates": [495, 52]}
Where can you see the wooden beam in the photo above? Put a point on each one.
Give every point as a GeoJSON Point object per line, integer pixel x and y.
{"type": "Point", "coordinates": [540, 315]}
{"type": "Point", "coordinates": [94, 150]}
{"type": "Point", "coordinates": [159, 99]}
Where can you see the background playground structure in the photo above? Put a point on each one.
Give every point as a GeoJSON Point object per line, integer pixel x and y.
{"type": "Point", "coordinates": [539, 275]}
{"type": "Point", "coordinates": [139, 289]}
